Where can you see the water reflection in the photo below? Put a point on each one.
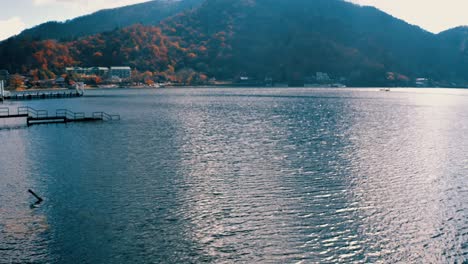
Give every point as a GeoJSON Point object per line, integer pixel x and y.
{"type": "Point", "coordinates": [404, 182]}
{"type": "Point", "coordinates": [271, 183]}
{"type": "Point", "coordinates": [23, 229]}
{"type": "Point", "coordinates": [241, 175]}
{"type": "Point", "coordinates": [235, 174]}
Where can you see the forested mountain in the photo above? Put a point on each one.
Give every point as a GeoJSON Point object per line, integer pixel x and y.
{"type": "Point", "coordinates": [284, 39]}
{"type": "Point", "coordinates": [454, 53]}
{"type": "Point", "coordinates": [148, 13]}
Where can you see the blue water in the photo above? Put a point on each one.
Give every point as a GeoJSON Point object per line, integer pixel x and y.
{"type": "Point", "coordinates": [240, 175]}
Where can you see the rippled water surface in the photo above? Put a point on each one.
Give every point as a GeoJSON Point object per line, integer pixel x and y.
{"type": "Point", "coordinates": [240, 175]}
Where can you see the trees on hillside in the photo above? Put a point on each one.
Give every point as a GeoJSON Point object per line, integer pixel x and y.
{"type": "Point", "coordinates": [16, 81]}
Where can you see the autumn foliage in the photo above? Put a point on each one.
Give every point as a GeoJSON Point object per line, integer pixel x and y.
{"type": "Point", "coordinates": [144, 48]}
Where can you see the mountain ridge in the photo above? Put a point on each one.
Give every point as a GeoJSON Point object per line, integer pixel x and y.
{"type": "Point", "coordinates": [282, 39]}
{"type": "Point", "coordinates": [147, 13]}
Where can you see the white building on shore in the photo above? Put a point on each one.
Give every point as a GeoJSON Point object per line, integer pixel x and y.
{"type": "Point", "coordinates": [124, 72]}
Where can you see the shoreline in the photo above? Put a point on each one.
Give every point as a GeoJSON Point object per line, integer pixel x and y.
{"type": "Point", "coordinates": [223, 86]}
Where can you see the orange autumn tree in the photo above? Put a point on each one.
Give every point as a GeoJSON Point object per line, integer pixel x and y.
{"type": "Point", "coordinates": [16, 81]}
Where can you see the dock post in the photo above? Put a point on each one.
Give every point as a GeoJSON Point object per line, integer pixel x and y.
{"type": "Point", "coordinates": [39, 199]}
{"type": "Point", "coordinates": [2, 93]}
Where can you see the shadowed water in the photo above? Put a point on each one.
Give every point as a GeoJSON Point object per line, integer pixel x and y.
{"type": "Point", "coordinates": [240, 175]}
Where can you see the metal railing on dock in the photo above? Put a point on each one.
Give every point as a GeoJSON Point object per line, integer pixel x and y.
{"type": "Point", "coordinates": [69, 114]}
{"type": "Point", "coordinates": [34, 116]}
{"type": "Point", "coordinates": [43, 94]}
{"type": "Point", "coordinates": [26, 110]}
{"type": "Point", "coordinates": [4, 111]}
{"type": "Point", "coordinates": [105, 116]}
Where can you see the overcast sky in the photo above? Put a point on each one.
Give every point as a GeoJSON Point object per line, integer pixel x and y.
{"type": "Point", "coordinates": [17, 15]}
{"type": "Point", "coordinates": [432, 15]}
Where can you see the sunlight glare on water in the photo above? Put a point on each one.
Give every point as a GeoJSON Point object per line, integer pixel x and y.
{"type": "Point", "coordinates": [240, 175]}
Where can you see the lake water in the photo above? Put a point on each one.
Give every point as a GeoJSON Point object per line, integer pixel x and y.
{"type": "Point", "coordinates": [240, 175]}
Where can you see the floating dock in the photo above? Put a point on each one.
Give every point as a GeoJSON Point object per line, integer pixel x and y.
{"type": "Point", "coordinates": [37, 117]}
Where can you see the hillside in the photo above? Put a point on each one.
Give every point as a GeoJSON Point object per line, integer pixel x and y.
{"type": "Point", "coordinates": [148, 13]}
{"type": "Point", "coordinates": [284, 39]}
{"type": "Point", "coordinates": [454, 52]}
{"type": "Point", "coordinates": [300, 37]}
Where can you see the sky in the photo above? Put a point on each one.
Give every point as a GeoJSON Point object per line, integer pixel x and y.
{"type": "Point", "coordinates": [432, 15]}
{"type": "Point", "coordinates": [17, 15]}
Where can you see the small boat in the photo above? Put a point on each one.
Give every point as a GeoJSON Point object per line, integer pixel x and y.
{"type": "Point", "coordinates": [107, 86]}
{"type": "Point", "coordinates": [385, 90]}
{"type": "Point", "coordinates": [338, 85]}
{"type": "Point", "coordinates": [162, 85]}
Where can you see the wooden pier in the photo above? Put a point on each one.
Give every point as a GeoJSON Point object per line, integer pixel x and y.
{"type": "Point", "coordinates": [43, 94]}
{"type": "Point", "coordinates": [36, 117]}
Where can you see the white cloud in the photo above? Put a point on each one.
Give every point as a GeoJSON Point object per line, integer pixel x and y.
{"type": "Point", "coordinates": [61, 10]}
{"type": "Point", "coordinates": [11, 27]}
{"type": "Point", "coordinates": [40, 11]}
{"type": "Point", "coordinates": [88, 5]}
{"type": "Point", "coordinates": [432, 15]}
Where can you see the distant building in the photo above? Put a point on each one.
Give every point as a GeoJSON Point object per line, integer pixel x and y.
{"type": "Point", "coordinates": [243, 77]}
{"type": "Point", "coordinates": [75, 70]}
{"type": "Point", "coordinates": [422, 82]}
{"type": "Point", "coordinates": [97, 71]}
{"type": "Point", "coordinates": [60, 81]}
{"type": "Point", "coordinates": [121, 72]}
{"type": "Point", "coordinates": [212, 81]}
{"type": "Point", "coordinates": [245, 80]}
{"type": "Point", "coordinates": [115, 79]}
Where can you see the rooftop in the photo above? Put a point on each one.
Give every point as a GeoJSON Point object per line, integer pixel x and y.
{"type": "Point", "coordinates": [121, 68]}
